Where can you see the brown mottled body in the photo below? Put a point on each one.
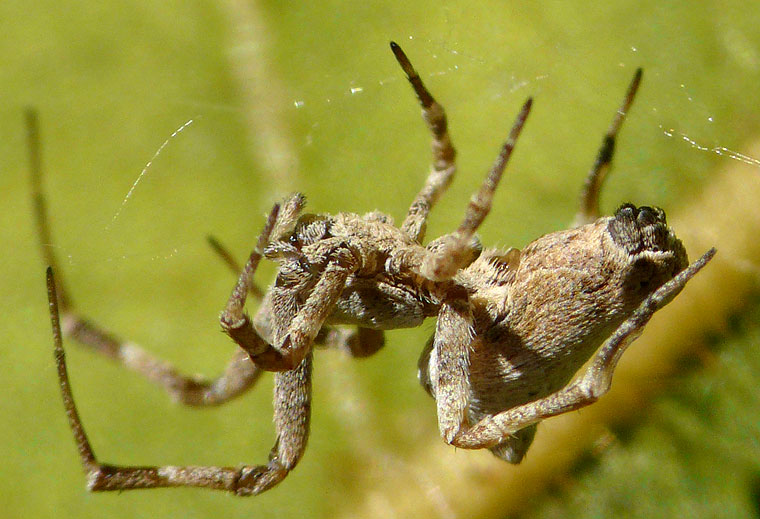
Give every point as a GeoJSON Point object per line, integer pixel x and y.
{"type": "Point", "coordinates": [541, 315]}
{"type": "Point", "coordinates": [513, 327]}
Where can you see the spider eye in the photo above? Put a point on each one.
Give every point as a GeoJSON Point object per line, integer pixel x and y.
{"type": "Point", "coordinates": [637, 229]}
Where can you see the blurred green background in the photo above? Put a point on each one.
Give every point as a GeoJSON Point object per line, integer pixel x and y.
{"type": "Point", "coordinates": [306, 96]}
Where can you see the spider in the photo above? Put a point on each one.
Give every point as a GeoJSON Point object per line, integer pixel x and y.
{"type": "Point", "coordinates": [513, 326]}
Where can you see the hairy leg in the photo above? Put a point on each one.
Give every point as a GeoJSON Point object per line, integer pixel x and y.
{"type": "Point", "coordinates": [449, 362]}
{"type": "Point", "coordinates": [229, 260]}
{"type": "Point", "coordinates": [292, 414]}
{"type": "Point", "coordinates": [292, 410]}
{"type": "Point", "coordinates": [514, 447]}
{"type": "Point", "coordinates": [589, 203]}
{"type": "Point", "coordinates": [293, 311]}
{"type": "Point", "coordinates": [40, 203]}
{"type": "Point", "coordinates": [239, 375]}
{"type": "Point", "coordinates": [444, 154]}
{"type": "Point", "coordinates": [454, 251]}
{"type": "Point", "coordinates": [357, 342]}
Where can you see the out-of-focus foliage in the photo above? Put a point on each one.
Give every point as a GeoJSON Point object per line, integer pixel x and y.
{"type": "Point", "coordinates": [694, 453]}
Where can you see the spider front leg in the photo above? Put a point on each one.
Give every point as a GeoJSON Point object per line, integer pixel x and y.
{"type": "Point", "coordinates": [456, 250]}
{"type": "Point", "coordinates": [296, 308]}
{"type": "Point", "coordinates": [588, 388]}
{"type": "Point", "coordinates": [589, 206]}
{"type": "Point", "coordinates": [292, 414]}
{"type": "Point", "coordinates": [226, 256]}
{"type": "Point", "coordinates": [444, 154]}
{"type": "Point", "coordinates": [358, 342]}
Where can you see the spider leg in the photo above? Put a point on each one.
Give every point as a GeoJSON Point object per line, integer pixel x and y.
{"type": "Point", "coordinates": [444, 154]}
{"type": "Point", "coordinates": [449, 361]}
{"type": "Point", "coordinates": [226, 256]}
{"type": "Point", "coordinates": [297, 332]}
{"type": "Point", "coordinates": [357, 342]}
{"type": "Point", "coordinates": [292, 410]}
{"type": "Point", "coordinates": [587, 389]}
{"type": "Point", "coordinates": [40, 203]}
{"type": "Point", "coordinates": [589, 202]}
{"type": "Point", "coordinates": [295, 324]}
{"type": "Point", "coordinates": [455, 250]}
{"type": "Point", "coordinates": [512, 449]}
{"type": "Point", "coordinates": [239, 375]}
{"type": "Point", "coordinates": [292, 414]}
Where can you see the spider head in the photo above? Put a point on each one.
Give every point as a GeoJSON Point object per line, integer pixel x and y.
{"type": "Point", "coordinates": [651, 249]}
